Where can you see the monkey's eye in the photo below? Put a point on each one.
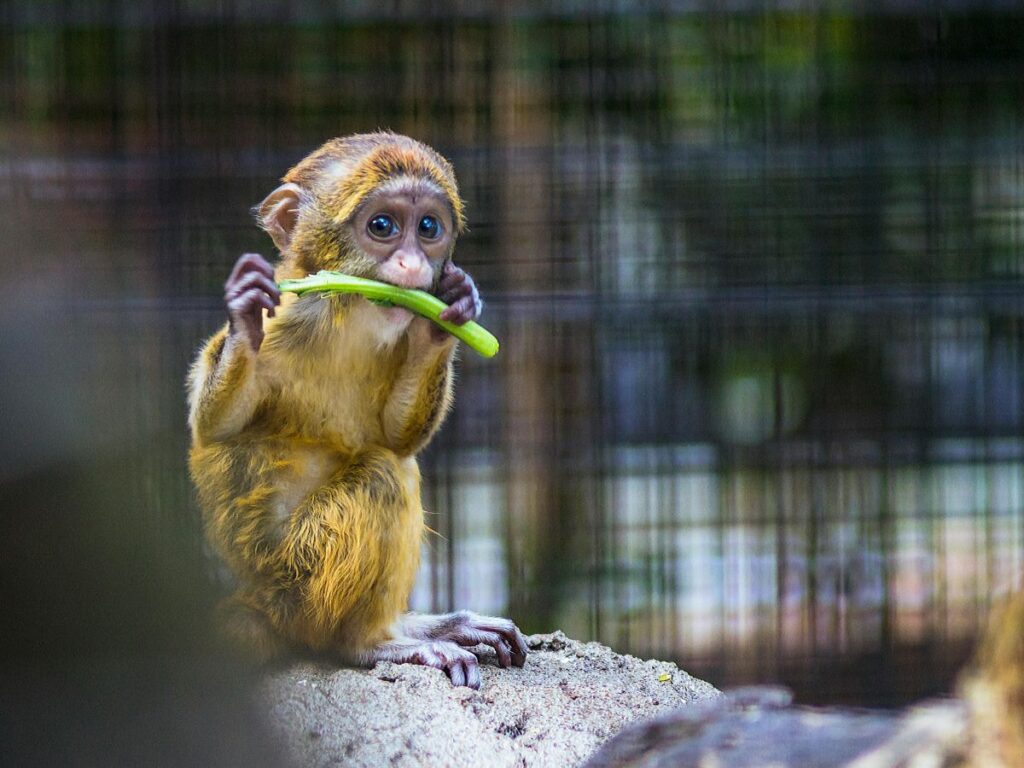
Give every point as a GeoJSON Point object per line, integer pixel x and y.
{"type": "Point", "coordinates": [429, 228]}
{"type": "Point", "coordinates": [381, 226]}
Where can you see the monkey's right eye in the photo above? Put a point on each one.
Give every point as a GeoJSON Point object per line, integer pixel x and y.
{"type": "Point", "coordinates": [382, 226]}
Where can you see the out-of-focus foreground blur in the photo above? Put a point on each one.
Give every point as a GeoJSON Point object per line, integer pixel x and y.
{"type": "Point", "coordinates": [756, 273]}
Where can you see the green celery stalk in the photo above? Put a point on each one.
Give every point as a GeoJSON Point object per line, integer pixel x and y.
{"type": "Point", "coordinates": [422, 303]}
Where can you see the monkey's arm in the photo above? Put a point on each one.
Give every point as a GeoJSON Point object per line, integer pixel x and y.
{"type": "Point", "coordinates": [223, 389]}
{"type": "Point", "coordinates": [421, 393]}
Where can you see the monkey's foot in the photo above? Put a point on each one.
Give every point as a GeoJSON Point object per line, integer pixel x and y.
{"type": "Point", "coordinates": [468, 629]}
{"type": "Point", "coordinates": [461, 666]}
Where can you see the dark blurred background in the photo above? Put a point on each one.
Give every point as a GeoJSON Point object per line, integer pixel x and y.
{"type": "Point", "coordinates": [756, 270]}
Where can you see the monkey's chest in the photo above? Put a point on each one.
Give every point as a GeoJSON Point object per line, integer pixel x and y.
{"type": "Point", "coordinates": [342, 412]}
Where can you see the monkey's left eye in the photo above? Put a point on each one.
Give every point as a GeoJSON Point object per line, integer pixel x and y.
{"type": "Point", "coordinates": [429, 228]}
{"type": "Point", "coordinates": [382, 225]}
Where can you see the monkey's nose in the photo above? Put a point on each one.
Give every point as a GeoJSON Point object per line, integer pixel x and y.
{"type": "Point", "coordinates": [409, 271]}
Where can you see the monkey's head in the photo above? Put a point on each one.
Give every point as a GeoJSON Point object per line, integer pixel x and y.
{"type": "Point", "coordinates": [378, 205]}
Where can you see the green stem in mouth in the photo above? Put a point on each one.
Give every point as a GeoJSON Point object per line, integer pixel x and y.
{"type": "Point", "coordinates": [422, 303]}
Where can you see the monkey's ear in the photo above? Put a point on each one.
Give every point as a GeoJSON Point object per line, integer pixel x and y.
{"type": "Point", "coordinates": [278, 213]}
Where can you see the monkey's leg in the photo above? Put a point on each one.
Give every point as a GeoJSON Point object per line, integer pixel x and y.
{"type": "Point", "coordinates": [468, 629]}
{"type": "Point", "coordinates": [345, 558]}
{"type": "Point", "coordinates": [336, 575]}
{"type": "Point", "coordinates": [358, 538]}
{"type": "Point", "coordinates": [328, 564]}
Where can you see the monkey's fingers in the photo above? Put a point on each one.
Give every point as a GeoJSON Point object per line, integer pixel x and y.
{"type": "Point", "coordinates": [254, 280]}
{"type": "Point", "coordinates": [465, 672]}
{"type": "Point", "coordinates": [463, 310]}
{"type": "Point", "coordinates": [491, 640]}
{"type": "Point", "coordinates": [450, 268]}
{"type": "Point", "coordinates": [453, 288]}
{"type": "Point", "coordinates": [508, 632]}
{"type": "Point", "coordinates": [473, 675]}
{"type": "Point", "coordinates": [457, 674]}
{"type": "Point", "coordinates": [449, 294]}
{"type": "Point", "coordinates": [245, 312]}
{"type": "Point", "coordinates": [422, 656]}
{"type": "Point", "coordinates": [511, 634]}
{"type": "Point", "coordinates": [452, 278]}
{"type": "Point", "coordinates": [519, 649]}
{"type": "Point", "coordinates": [245, 302]}
{"type": "Point", "coordinates": [248, 262]}
{"type": "Point", "coordinates": [450, 291]}
{"type": "Point", "coordinates": [461, 666]}
{"type": "Point", "coordinates": [259, 283]}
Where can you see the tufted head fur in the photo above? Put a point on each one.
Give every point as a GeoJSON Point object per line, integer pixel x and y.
{"type": "Point", "coordinates": [361, 163]}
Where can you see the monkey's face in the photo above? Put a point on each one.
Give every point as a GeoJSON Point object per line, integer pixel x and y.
{"type": "Point", "coordinates": [402, 234]}
{"type": "Point", "coordinates": [406, 231]}
{"type": "Point", "coordinates": [378, 206]}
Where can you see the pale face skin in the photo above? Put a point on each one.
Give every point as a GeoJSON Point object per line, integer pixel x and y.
{"type": "Point", "coordinates": [409, 232]}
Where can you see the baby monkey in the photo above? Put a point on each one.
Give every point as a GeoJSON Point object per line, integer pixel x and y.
{"type": "Point", "coordinates": [307, 414]}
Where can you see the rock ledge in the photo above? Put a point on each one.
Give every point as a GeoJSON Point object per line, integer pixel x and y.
{"type": "Point", "coordinates": [570, 698]}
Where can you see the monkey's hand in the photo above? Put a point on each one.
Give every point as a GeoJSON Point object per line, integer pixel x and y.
{"type": "Point", "coordinates": [248, 291]}
{"type": "Point", "coordinates": [456, 289]}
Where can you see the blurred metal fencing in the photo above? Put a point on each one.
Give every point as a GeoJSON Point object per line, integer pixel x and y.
{"type": "Point", "coordinates": [756, 272]}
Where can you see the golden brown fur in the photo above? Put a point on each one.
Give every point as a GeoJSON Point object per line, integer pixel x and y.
{"type": "Point", "coordinates": [994, 691]}
{"type": "Point", "coordinates": [303, 453]}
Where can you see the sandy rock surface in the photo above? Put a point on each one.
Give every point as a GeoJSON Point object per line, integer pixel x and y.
{"type": "Point", "coordinates": [569, 699]}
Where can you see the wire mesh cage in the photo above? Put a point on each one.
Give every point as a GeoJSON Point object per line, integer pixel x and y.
{"type": "Point", "coordinates": [756, 273]}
